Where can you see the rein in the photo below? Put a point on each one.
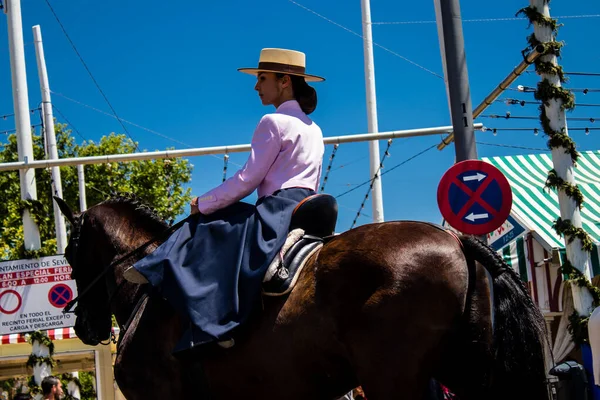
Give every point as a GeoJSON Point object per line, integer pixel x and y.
{"type": "Point", "coordinates": [71, 304]}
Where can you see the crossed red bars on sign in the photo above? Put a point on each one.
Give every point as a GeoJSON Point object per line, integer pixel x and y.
{"type": "Point", "coordinates": [474, 197]}
{"type": "Point", "coordinates": [60, 295]}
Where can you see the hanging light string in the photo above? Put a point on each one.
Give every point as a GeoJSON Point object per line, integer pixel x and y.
{"type": "Point", "coordinates": [43, 134]}
{"type": "Point", "coordinates": [331, 157]}
{"type": "Point", "coordinates": [509, 116]}
{"type": "Point", "coordinates": [529, 89]}
{"type": "Point", "coordinates": [225, 162]}
{"type": "Point", "coordinates": [12, 115]}
{"type": "Point", "coordinates": [376, 176]}
{"type": "Point", "coordinates": [583, 73]}
{"type": "Point", "coordinates": [573, 73]}
{"type": "Point", "coordinates": [479, 20]}
{"type": "Point", "coordinates": [522, 103]}
{"type": "Point", "coordinates": [510, 146]}
{"type": "Point", "coordinates": [534, 130]}
{"type": "Point", "coordinates": [14, 130]}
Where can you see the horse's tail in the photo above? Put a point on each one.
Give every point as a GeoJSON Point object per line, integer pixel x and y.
{"type": "Point", "coordinates": [518, 370]}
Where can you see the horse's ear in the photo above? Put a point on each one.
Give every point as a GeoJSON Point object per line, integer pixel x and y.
{"type": "Point", "coordinates": [65, 209]}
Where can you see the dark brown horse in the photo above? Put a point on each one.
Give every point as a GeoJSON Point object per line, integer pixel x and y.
{"type": "Point", "coordinates": [386, 306]}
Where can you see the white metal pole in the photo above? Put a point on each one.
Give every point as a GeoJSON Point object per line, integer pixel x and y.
{"type": "Point", "coordinates": [52, 151]}
{"type": "Point", "coordinates": [377, 195]}
{"type": "Point", "coordinates": [22, 121]}
{"type": "Point", "coordinates": [238, 148]}
{"type": "Point", "coordinates": [563, 164]}
{"type": "Point", "coordinates": [81, 178]}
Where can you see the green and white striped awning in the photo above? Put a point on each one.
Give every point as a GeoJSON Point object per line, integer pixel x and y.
{"type": "Point", "coordinates": [538, 207]}
{"type": "Point", "coordinates": [515, 255]}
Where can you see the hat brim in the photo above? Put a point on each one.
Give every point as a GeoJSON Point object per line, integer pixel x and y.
{"type": "Point", "coordinates": [256, 71]}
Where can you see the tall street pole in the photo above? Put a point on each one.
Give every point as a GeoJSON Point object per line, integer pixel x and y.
{"type": "Point", "coordinates": [376, 195]}
{"type": "Point", "coordinates": [563, 165]}
{"type": "Point", "coordinates": [59, 220]}
{"type": "Point", "coordinates": [22, 121]}
{"type": "Point", "coordinates": [452, 45]}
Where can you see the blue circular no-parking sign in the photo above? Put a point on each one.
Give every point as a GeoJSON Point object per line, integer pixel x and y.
{"type": "Point", "coordinates": [59, 295]}
{"type": "Point", "coordinates": [474, 197]}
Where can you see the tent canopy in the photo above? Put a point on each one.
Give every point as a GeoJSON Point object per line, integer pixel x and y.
{"type": "Point", "coordinates": [537, 207]}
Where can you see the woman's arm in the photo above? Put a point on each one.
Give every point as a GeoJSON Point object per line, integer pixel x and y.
{"type": "Point", "coordinates": [266, 144]}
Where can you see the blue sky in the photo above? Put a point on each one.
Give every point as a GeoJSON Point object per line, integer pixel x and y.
{"type": "Point", "coordinates": [171, 67]}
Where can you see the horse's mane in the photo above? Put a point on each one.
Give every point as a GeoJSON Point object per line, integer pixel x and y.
{"type": "Point", "coordinates": [141, 209]}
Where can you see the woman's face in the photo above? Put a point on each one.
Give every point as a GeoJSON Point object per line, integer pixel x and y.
{"type": "Point", "coordinates": [271, 89]}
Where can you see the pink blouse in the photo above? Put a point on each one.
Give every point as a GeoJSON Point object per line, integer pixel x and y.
{"type": "Point", "coordinates": [287, 151]}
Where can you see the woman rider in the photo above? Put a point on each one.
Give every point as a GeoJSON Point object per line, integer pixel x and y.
{"type": "Point", "coordinates": [211, 269]}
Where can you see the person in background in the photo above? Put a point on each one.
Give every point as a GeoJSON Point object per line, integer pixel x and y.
{"type": "Point", "coordinates": [52, 388]}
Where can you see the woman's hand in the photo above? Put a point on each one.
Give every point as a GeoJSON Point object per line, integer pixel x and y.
{"type": "Point", "coordinates": [194, 206]}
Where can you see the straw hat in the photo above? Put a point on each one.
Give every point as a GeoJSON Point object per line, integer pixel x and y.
{"type": "Point", "coordinates": [284, 61]}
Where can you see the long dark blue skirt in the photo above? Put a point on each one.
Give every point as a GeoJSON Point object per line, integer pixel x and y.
{"type": "Point", "coordinates": [211, 270]}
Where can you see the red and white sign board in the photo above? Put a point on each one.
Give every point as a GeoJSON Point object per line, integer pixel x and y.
{"type": "Point", "coordinates": [33, 294]}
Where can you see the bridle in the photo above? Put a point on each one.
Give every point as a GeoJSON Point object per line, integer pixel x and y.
{"type": "Point", "coordinates": [75, 238]}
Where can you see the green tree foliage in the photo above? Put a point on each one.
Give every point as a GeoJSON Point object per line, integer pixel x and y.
{"type": "Point", "coordinates": [159, 183]}
{"type": "Point", "coordinates": [10, 387]}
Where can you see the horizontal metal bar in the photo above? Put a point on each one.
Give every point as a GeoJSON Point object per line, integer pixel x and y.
{"type": "Point", "coordinates": [214, 150]}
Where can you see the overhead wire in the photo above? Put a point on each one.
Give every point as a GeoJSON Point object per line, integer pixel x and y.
{"type": "Point", "coordinates": [375, 176]}
{"type": "Point", "coordinates": [572, 73]}
{"type": "Point", "coordinates": [481, 20]}
{"type": "Point", "coordinates": [388, 170]}
{"type": "Point", "coordinates": [91, 75]}
{"type": "Point", "coordinates": [510, 116]}
{"type": "Point", "coordinates": [510, 146]}
{"type": "Point", "coordinates": [12, 114]}
{"type": "Point", "coordinates": [135, 124]}
{"type": "Point", "coordinates": [362, 37]}
{"type": "Point", "coordinates": [534, 130]}
{"type": "Point", "coordinates": [583, 73]}
{"type": "Point", "coordinates": [529, 89]}
{"type": "Point", "coordinates": [409, 159]}
{"type": "Point", "coordinates": [349, 163]}
{"type": "Point", "coordinates": [8, 131]}
{"type": "Point", "coordinates": [68, 122]}
{"type": "Point", "coordinates": [522, 103]}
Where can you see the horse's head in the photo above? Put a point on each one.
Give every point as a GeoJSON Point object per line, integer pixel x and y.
{"type": "Point", "coordinates": [93, 322]}
{"type": "Point", "coordinates": [99, 236]}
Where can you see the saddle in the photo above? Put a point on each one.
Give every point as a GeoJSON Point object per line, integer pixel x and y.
{"type": "Point", "coordinates": [313, 221]}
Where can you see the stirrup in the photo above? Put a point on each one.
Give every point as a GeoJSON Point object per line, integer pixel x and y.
{"type": "Point", "coordinates": [134, 276]}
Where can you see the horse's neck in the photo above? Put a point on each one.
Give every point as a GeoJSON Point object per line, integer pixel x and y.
{"type": "Point", "coordinates": [125, 303]}
{"type": "Point", "coordinates": [126, 229]}
{"type": "Point", "coordinates": [129, 295]}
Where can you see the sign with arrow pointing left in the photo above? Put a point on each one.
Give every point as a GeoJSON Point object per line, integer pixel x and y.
{"type": "Point", "coordinates": [474, 197]}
